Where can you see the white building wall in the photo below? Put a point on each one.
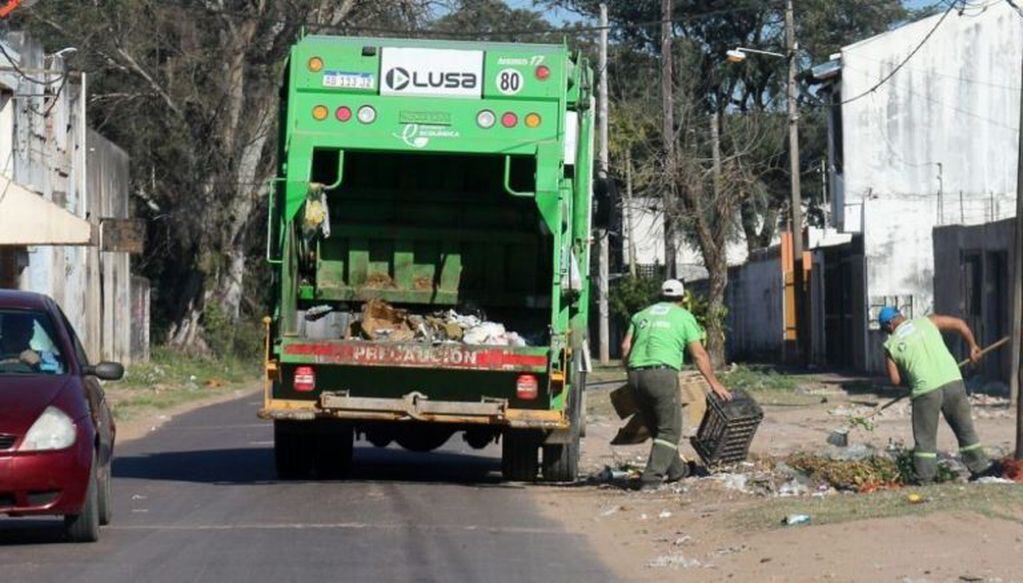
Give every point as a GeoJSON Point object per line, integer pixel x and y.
{"type": "Point", "coordinates": [648, 229]}
{"type": "Point", "coordinates": [934, 145]}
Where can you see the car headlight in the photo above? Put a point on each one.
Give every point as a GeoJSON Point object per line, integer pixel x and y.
{"type": "Point", "coordinates": [53, 430]}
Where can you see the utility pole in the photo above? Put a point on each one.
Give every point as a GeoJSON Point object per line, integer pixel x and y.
{"type": "Point", "coordinates": [628, 212]}
{"type": "Point", "coordinates": [669, 196]}
{"type": "Point", "coordinates": [796, 203]}
{"type": "Point", "coordinates": [602, 171]}
{"type": "Point", "coordinates": [1017, 288]}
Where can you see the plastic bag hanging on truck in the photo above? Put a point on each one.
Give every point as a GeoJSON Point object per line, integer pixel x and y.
{"type": "Point", "coordinates": [316, 213]}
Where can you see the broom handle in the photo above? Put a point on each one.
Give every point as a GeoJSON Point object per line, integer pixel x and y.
{"type": "Point", "coordinates": [994, 346]}
{"type": "Point", "coordinates": [991, 347]}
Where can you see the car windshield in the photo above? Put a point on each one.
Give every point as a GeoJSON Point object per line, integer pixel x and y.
{"type": "Point", "coordinates": [27, 344]}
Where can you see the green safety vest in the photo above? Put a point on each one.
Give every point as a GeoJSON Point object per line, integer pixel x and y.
{"type": "Point", "coordinates": [920, 351]}
{"type": "Point", "coordinates": [660, 335]}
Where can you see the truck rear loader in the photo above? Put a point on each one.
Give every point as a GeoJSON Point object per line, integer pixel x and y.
{"type": "Point", "coordinates": [420, 184]}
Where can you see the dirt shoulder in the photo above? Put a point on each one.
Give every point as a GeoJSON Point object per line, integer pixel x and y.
{"type": "Point", "coordinates": [714, 527]}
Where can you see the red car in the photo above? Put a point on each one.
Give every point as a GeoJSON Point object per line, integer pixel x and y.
{"type": "Point", "coordinates": [56, 430]}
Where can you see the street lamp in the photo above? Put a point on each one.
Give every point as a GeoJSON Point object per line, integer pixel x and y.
{"type": "Point", "coordinates": [739, 54]}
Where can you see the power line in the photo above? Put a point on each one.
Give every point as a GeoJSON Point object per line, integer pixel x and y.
{"type": "Point", "coordinates": [898, 67]}
{"type": "Point", "coordinates": [21, 73]}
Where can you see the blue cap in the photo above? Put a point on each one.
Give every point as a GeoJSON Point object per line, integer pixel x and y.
{"type": "Point", "coordinates": [888, 314]}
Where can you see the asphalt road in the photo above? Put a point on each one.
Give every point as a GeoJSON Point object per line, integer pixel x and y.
{"type": "Point", "coordinates": [198, 501]}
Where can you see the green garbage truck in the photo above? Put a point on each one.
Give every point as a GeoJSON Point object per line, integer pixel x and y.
{"type": "Point", "coordinates": [429, 231]}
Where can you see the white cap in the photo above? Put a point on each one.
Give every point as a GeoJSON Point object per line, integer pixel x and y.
{"type": "Point", "coordinates": [673, 288]}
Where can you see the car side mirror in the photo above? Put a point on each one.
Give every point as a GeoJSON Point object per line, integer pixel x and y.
{"type": "Point", "coordinates": [106, 371]}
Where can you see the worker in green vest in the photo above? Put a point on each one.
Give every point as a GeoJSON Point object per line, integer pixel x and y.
{"type": "Point", "coordinates": [917, 353]}
{"type": "Point", "coordinates": [653, 352]}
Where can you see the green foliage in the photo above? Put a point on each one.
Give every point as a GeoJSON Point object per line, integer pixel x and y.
{"type": "Point", "coordinates": [229, 338]}
{"type": "Point", "coordinates": [629, 295]}
{"type": "Point", "coordinates": [856, 475]}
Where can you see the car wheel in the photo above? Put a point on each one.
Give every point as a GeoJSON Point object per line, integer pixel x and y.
{"type": "Point", "coordinates": [103, 483]}
{"type": "Point", "coordinates": [84, 527]}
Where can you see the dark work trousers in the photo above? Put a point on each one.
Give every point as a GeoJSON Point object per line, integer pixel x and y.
{"type": "Point", "coordinates": [656, 391]}
{"type": "Point", "coordinates": [950, 400]}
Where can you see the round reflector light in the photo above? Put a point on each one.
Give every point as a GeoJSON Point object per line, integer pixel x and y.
{"type": "Point", "coordinates": [320, 112]}
{"type": "Point", "coordinates": [315, 64]}
{"type": "Point", "coordinates": [367, 114]}
{"type": "Point", "coordinates": [509, 119]}
{"type": "Point", "coordinates": [543, 72]}
{"type": "Point", "coordinates": [304, 380]}
{"type": "Point", "coordinates": [343, 113]}
{"type": "Point", "coordinates": [527, 387]}
{"type": "Point", "coordinates": [533, 120]}
{"type": "Point", "coordinates": [486, 119]}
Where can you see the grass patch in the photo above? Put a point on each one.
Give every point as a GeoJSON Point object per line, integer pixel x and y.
{"type": "Point", "coordinates": [753, 377]}
{"type": "Point", "coordinates": [172, 378]}
{"type": "Point", "coordinates": [993, 500]}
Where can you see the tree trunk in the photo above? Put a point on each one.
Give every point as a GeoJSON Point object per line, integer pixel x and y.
{"type": "Point", "coordinates": [717, 282]}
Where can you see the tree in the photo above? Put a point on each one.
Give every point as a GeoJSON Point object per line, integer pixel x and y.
{"type": "Point", "coordinates": [730, 173]}
{"type": "Point", "coordinates": [189, 88]}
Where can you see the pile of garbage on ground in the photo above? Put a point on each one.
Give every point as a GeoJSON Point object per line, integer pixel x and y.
{"type": "Point", "coordinates": [859, 468]}
{"type": "Point", "coordinates": [383, 322]}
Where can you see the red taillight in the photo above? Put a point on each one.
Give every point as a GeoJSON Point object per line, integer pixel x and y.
{"type": "Point", "coordinates": [509, 119]}
{"type": "Point", "coordinates": [343, 113]}
{"type": "Point", "coordinates": [305, 379]}
{"type": "Point", "coordinates": [527, 387]}
{"type": "Point", "coordinates": [543, 72]}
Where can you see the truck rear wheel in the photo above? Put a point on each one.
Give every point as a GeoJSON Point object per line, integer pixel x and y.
{"type": "Point", "coordinates": [561, 461]}
{"type": "Point", "coordinates": [293, 455]}
{"type": "Point", "coordinates": [519, 453]}
{"type": "Point", "coordinates": [334, 449]}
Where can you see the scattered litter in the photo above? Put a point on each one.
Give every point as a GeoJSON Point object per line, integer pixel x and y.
{"type": "Point", "coordinates": [643, 516]}
{"type": "Point", "coordinates": [138, 497]}
{"type": "Point", "coordinates": [608, 475]}
{"type": "Point", "coordinates": [674, 561]}
{"type": "Point", "coordinates": [664, 514]}
{"type": "Point", "coordinates": [994, 480]}
{"type": "Point", "coordinates": [612, 510]}
{"type": "Point", "coordinates": [915, 498]}
{"type": "Point", "coordinates": [731, 550]}
{"type": "Point", "coordinates": [855, 452]}
{"type": "Point", "coordinates": [1012, 469]}
{"type": "Point", "coordinates": [795, 519]}
{"type": "Point", "coordinates": [734, 481]}
{"type": "Point", "coordinates": [682, 540]}
{"type": "Point", "coordinates": [316, 312]}
{"type": "Point", "coordinates": [793, 488]}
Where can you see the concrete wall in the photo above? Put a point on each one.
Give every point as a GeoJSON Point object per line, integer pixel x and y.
{"type": "Point", "coordinates": [754, 297]}
{"type": "Point", "coordinates": [648, 229]}
{"type": "Point", "coordinates": [934, 145]}
{"type": "Point", "coordinates": [990, 318]}
{"type": "Point", "coordinates": [48, 149]}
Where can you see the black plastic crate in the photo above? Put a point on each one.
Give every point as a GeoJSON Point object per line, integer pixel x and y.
{"type": "Point", "coordinates": [727, 428]}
